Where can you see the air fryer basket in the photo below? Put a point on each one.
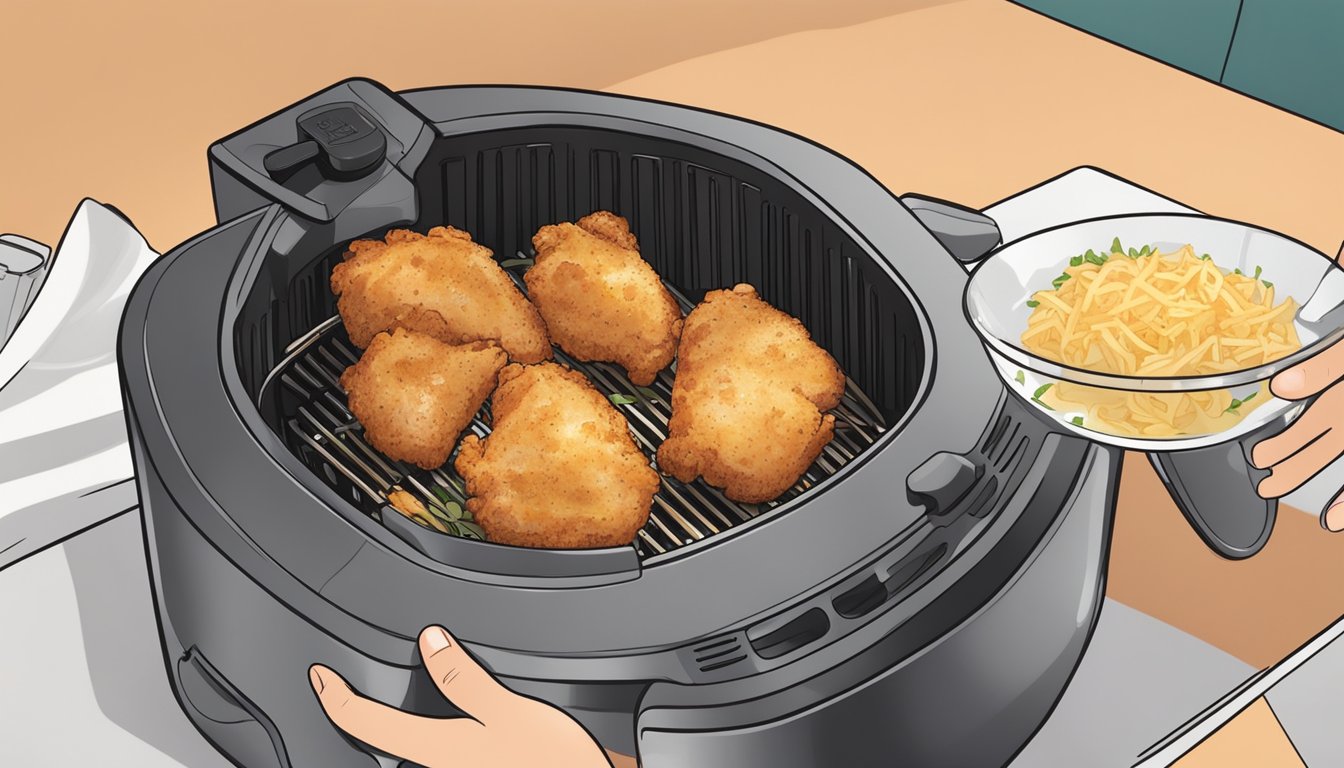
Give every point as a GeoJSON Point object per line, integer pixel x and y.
{"type": "Point", "coordinates": [703, 221]}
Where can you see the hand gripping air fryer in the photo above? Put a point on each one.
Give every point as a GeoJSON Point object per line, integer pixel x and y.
{"type": "Point", "coordinates": [926, 603]}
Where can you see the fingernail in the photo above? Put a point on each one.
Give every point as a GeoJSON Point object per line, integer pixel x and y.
{"type": "Point", "coordinates": [1333, 519]}
{"type": "Point", "coordinates": [435, 639]}
{"type": "Point", "coordinates": [315, 677]}
{"type": "Point", "coordinates": [1288, 383]}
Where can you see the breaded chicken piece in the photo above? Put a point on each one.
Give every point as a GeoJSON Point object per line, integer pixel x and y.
{"type": "Point", "coordinates": [600, 300]}
{"type": "Point", "coordinates": [748, 398]}
{"type": "Point", "coordinates": [415, 394]}
{"type": "Point", "coordinates": [442, 284]}
{"type": "Point", "coordinates": [559, 469]}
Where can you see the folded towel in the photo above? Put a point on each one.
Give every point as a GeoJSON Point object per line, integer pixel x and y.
{"type": "Point", "coordinates": [62, 432]}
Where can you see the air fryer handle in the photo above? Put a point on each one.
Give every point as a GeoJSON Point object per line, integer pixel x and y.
{"type": "Point", "coordinates": [1215, 488]}
{"type": "Point", "coordinates": [966, 233]}
{"type": "Point", "coordinates": [348, 152]}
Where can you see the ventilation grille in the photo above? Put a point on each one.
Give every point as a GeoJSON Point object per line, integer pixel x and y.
{"type": "Point", "coordinates": [719, 653]}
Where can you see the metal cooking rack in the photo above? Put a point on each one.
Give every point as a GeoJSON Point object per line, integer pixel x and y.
{"type": "Point", "coordinates": [325, 434]}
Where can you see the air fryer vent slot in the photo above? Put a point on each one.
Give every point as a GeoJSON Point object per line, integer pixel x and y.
{"type": "Point", "coordinates": [719, 653]}
{"type": "Point", "coordinates": [992, 439]}
{"type": "Point", "coordinates": [1012, 453]}
{"type": "Point", "coordinates": [861, 598]}
{"type": "Point", "coordinates": [1002, 453]}
{"type": "Point", "coordinates": [805, 628]}
{"type": "Point", "coordinates": [1005, 444]}
{"type": "Point", "coordinates": [866, 596]}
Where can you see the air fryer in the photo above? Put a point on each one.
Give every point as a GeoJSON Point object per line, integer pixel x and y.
{"type": "Point", "coordinates": [923, 596]}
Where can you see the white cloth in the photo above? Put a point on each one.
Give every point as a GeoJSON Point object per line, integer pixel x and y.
{"type": "Point", "coordinates": [61, 426]}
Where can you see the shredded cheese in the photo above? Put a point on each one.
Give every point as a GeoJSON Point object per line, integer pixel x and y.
{"type": "Point", "coordinates": [1161, 315]}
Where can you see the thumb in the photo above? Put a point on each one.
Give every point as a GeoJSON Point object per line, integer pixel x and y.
{"type": "Point", "coordinates": [1310, 376]}
{"type": "Point", "coordinates": [459, 677]}
{"type": "Point", "coordinates": [1313, 374]}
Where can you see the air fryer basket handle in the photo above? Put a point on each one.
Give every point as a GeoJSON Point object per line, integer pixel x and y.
{"type": "Point", "coordinates": [966, 233]}
{"type": "Point", "coordinates": [1215, 488]}
{"type": "Point", "coordinates": [352, 147]}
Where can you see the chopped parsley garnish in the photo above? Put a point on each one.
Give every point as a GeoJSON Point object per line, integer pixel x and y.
{"type": "Point", "coordinates": [622, 399]}
{"type": "Point", "coordinates": [454, 519]}
{"type": "Point", "coordinates": [450, 512]}
{"type": "Point", "coordinates": [1020, 378]}
{"type": "Point", "coordinates": [1036, 396]}
{"type": "Point", "coordinates": [1238, 403]}
{"type": "Point", "coordinates": [1033, 303]}
{"type": "Point", "coordinates": [1115, 246]}
{"type": "Point", "coordinates": [1077, 421]}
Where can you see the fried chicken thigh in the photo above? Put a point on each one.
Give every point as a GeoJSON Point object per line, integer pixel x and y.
{"type": "Point", "coordinates": [600, 300]}
{"type": "Point", "coordinates": [748, 399]}
{"type": "Point", "coordinates": [559, 468]}
{"type": "Point", "coordinates": [441, 284]}
{"type": "Point", "coordinates": [415, 394]}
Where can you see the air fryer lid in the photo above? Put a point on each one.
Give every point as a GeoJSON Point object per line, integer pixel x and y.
{"type": "Point", "coordinates": [714, 200]}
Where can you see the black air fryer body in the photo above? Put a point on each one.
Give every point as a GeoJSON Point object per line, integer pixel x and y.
{"type": "Point", "coordinates": [924, 605]}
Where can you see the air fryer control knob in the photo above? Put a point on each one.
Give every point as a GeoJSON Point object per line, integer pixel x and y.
{"type": "Point", "coordinates": [942, 481]}
{"type": "Point", "coordinates": [344, 142]}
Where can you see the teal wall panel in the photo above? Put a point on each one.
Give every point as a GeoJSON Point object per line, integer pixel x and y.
{"type": "Point", "coordinates": [1191, 34]}
{"type": "Point", "coordinates": [1291, 53]}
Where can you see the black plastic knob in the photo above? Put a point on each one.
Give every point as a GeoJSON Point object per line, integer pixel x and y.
{"type": "Point", "coordinates": [343, 142]}
{"type": "Point", "coordinates": [941, 482]}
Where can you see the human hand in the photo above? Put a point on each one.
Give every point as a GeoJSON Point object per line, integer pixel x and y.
{"type": "Point", "coordinates": [1316, 439]}
{"type": "Point", "coordinates": [502, 728]}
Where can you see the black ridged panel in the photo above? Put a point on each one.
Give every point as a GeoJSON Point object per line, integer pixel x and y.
{"type": "Point", "coordinates": [646, 201]}
{"type": "Point", "coordinates": [703, 221]}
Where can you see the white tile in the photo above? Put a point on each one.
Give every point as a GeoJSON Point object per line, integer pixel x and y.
{"type": "Point", "coordinates": [1139, 679]}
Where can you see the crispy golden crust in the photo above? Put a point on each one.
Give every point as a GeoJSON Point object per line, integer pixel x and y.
{"type": "Point", "coordinates": [600, 300]}
{"type": "Point", "coordinates": [748, 398]}
{"type": "Point", "coordinates": [559, 469]}
{"type": "Point", "coordinates": [441, 284]}
{"type": "Point", "coordinates": [415, 394]}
